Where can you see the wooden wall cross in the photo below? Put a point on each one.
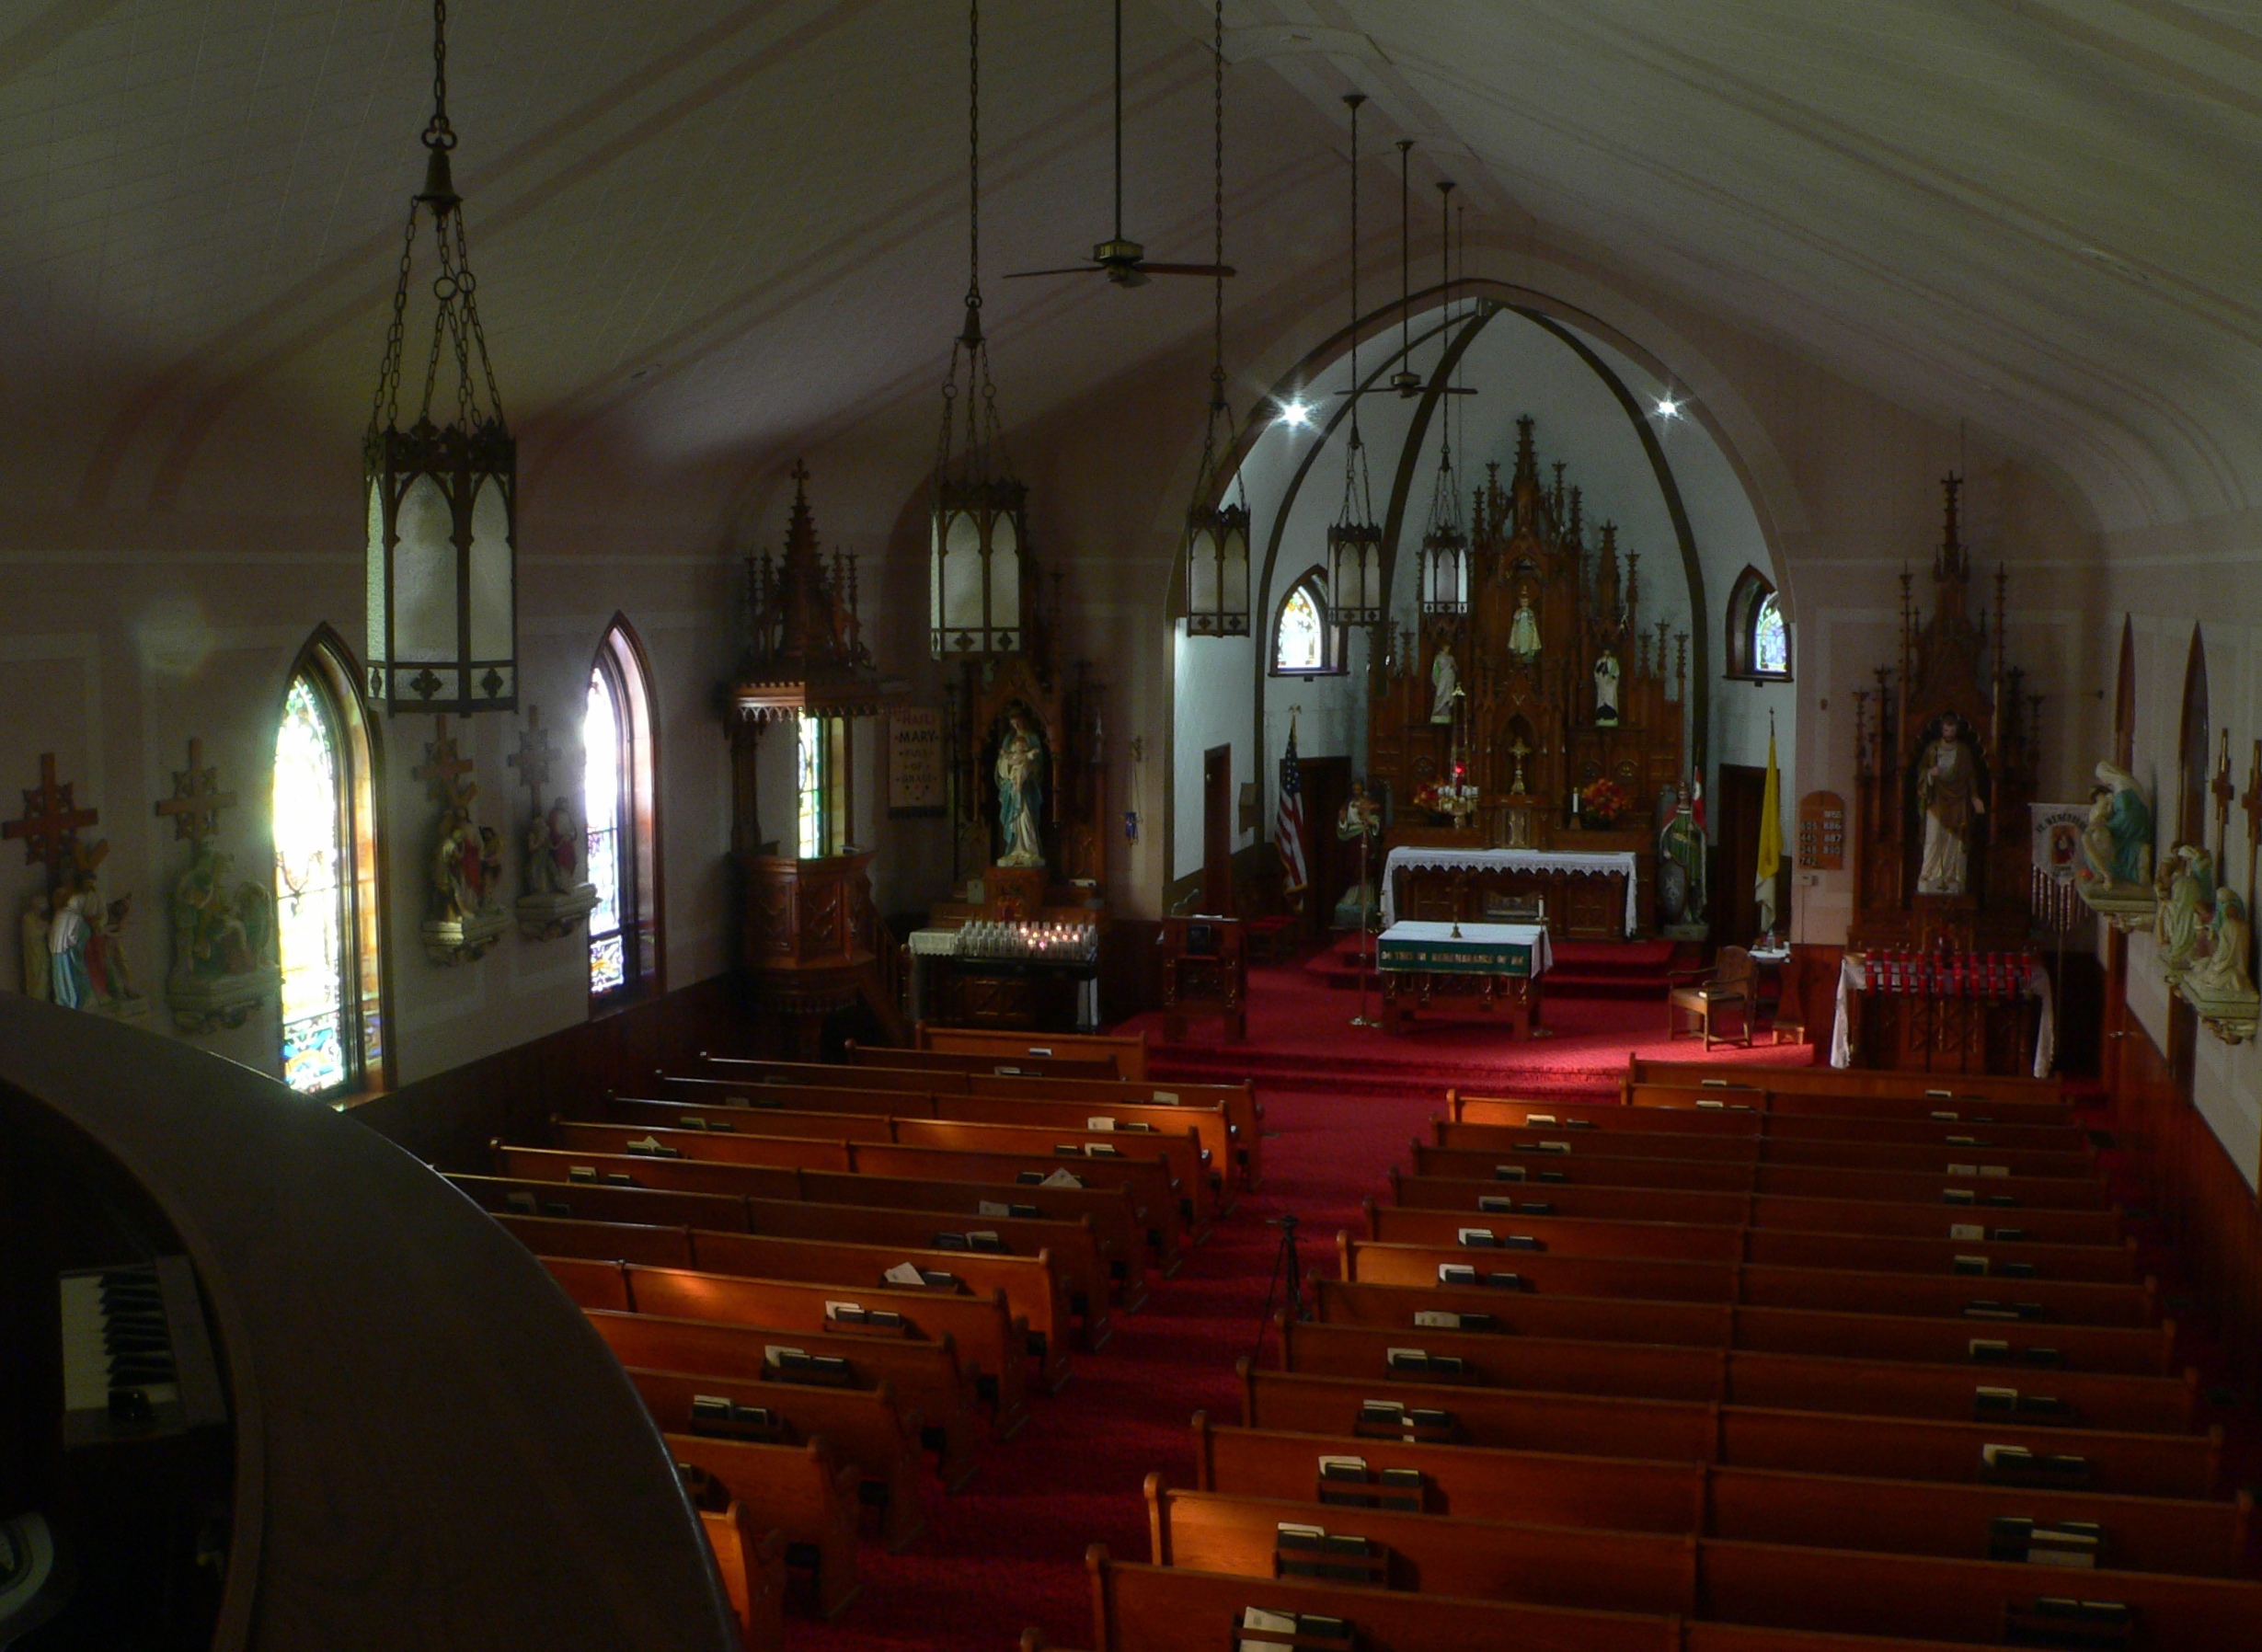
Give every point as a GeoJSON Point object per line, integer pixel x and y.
{"type": "Point", "coordinates": [50, 822]}
{"type": "Point", "coordinates": [2252, 804]}
{"type": "Point", "coordinates": [443, 769]}
{"type": "Point", "coordinates": [194, 806]}
{"type": "Point", "coordinates": [2224, 792]}
{"type": "Point", "coordinates": [534, 755]}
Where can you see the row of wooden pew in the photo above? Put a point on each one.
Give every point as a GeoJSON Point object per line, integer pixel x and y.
{"type": "Point", "coordinates": [822, 1278]}
{"type": "Point", "coordinates": [1566, 1392]}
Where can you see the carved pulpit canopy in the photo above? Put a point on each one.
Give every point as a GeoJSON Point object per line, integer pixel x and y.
{"type": "Point", "coordinates": [805, 654]}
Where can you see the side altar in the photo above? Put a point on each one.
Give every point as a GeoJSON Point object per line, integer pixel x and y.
{"type": "Point", "coordinates": [1945, 757]}
{"type": "Point", "coordinates": [1528, 710]}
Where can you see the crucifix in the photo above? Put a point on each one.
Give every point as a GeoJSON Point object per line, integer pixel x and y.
{"type": "Point", "coordinates": [445, 769]}
{"type": "Point", "coordinates": [50, 825]}
{"type": "Point", "coordinates": [534, 755]}
{"type": "Point", "coordinates": [2252, 804]}
{"type": "Point", "coordinates": [1519, 751]}
{"type": "Point", "coordinates": [194, 806]}
{"type": "Point", "coordinates": [2224, 792]}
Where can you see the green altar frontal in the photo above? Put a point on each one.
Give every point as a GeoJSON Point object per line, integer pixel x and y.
{"type": "Point", "coordinates": [1519, 950]}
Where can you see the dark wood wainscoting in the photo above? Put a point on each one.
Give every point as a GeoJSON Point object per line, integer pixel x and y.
{"type": "Point", "coordinates": [449, 1117]}
{"type": "Point", "coordinates": [2203, 1203]}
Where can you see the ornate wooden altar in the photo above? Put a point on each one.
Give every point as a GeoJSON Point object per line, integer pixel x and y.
{"type": "Point", "coordinates": [1945, 767]}
{"type": "Point", "coordinates": [1543, 682]}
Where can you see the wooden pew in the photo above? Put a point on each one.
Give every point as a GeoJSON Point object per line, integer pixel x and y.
{"type": "Point", "coordinates": [798, 1490]}
{"type": "Point", "coordinates": [1169, 1609]}
{"type": "Point", "coordinates": [1191, 1194]}
{"type": "Point", "coordinates": [1029, 1286]}
{"type": "Point", "coordinates": [2059, 1301]}
{"type": "Point", "coordinates": [865, 1427]}
{"type": "Point", "coordinates": [1116, 1232]}
{"type": "Point", "coordinates": [1864, 1083]}
{"type": "Point", "coordinates": [1809, 1215]}
{"type": "Point", "coordinates": [712, 1074]}
{"type": "Point", "coordinates": [582, 1201]}
{"type": "Point", "coordinates": [2019, 1346]}
{"type": "Point", "coordinates": [1154, 1187]}
{"type": "Point", "coordinates": [989, 1341]}
{"type": "Point", "coordinates": [1581, 1235]}
{"type": "Point", "coordinates": [1154, 1198]}
{"type": "Point", "coordinates": [1798, 1102]}
{"type": "Point", "coordinates": [1242, 1109]}
{"type": "Point", "coordinates": [1075, 1253]}
{"type": "Point", "coordinates": [1501, 1140]}
{"type": "Point", "coordinates": [1615, 1119]}
{"type": "Point", "coordinates": [924, 1377]}
{"type": "Point", "coordinates": [801, 1109]}
{"type": "Point", "coordinates": [1127, 1050]}
{"type": "Point", "coordinates": [1801, 1181]}
{"type": "Point", "coordinates": [1775, 1382]}
{"type": "Point", "coordinates": [2192, 1536]}
{"type": "Point", "coordinates": [1930, 1596]}
{"type": "Point", "coordinates": [752, 1564]}
{"type": "Point", "coordinates": [2123, 1462]}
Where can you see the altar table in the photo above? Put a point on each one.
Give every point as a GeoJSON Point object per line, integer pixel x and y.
{"type": "Point", "coordinates": [1579, 863]}
{"type": "Point", "coordinates": [1937, 1019]}
{"type": "Point", "coordinates": [1499, 963]}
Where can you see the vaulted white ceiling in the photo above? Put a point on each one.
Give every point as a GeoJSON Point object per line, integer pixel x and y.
{"type": "Point", "coordinates": [709, 232]}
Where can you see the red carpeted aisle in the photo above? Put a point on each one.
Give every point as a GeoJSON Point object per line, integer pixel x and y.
{"type": "Point", "coordinates": [1341, 1105]}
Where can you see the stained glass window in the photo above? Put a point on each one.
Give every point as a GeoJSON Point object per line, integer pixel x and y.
{"type": "Point", "coordinates": [1301, 642]}
{"type": "Point", "coordinates": [313, 881]}
{"type": "Point", "coordinates": [601, 783]}
{"type": "Point", "coordinates": [808, 778]}
{"type": "Point", "coordinates": [1771, 640]}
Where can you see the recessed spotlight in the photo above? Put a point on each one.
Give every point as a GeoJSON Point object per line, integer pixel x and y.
{"type": "Point", "coordinates": [1668, 407]}
{"type": "Point", "coordinates": [1295, 415]}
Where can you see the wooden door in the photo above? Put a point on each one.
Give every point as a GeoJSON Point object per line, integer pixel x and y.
{"type": "Point", "coordinates": [1735, 909]}
{"type": "Point", "coordinates": [1217, 831]}
{"type": "Point", "coordinates": [1334, 866]}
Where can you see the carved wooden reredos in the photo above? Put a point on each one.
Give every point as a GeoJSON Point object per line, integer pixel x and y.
{"type": "Point", "coordinates": [1529, 541]}
{"type": "Point", "coordinates": [1949, 664]}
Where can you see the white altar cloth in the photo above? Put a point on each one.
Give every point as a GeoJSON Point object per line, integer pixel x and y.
{"type": "Point", "coordinates": [1582, 863]}
{"type": "Point", "coordinates": [1854, 975]}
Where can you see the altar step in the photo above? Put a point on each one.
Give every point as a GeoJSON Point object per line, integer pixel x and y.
{"type": "Point", "coordinates": [1620, 969]}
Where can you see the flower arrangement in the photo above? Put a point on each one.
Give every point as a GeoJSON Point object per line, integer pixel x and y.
{"type": "Point", "coordinates": [1604, 800]}
{"type": "Point", "coordinates": [1451, 797]}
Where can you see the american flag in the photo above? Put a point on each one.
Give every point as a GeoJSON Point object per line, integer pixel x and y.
{"type": "Point", "coordinates": [1288, 824]}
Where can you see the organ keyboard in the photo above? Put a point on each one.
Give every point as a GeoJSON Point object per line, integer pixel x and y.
{"type": "Point", "coordinates": [136, 1361]}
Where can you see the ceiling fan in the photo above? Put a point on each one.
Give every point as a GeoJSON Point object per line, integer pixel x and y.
{"type": "Point", "coordinates": [1121, 259]}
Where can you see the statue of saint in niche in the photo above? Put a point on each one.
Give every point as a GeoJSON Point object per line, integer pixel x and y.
{"type": "Point", "coordinates": [1446, 685]}
{"type": "Point", "coordinates": [1523, 630]}
{"type": "Point", "coordinates": [1020, 792]}
{"type": "Point", "coordinates": [1606, 674]}
{"type": "Point", "coordinates": [1947, 791]}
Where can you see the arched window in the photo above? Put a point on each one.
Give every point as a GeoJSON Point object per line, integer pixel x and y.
{"type": "Point", "coordinates": [1303, 643]}
{"type": "Point", "coordinates": [1759, 636]}
{"type": "Point", "coordinates": [327, 905]}
{"type": "Point", "coordinates": [623, 821]}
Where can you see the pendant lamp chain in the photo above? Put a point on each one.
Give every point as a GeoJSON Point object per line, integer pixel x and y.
{"type": "Point", "coordinates": [1355, 542]}
{"type": "Point", "coordinates": [1216, 560]}
{"type": "Point", "coordinates": [974, 448]}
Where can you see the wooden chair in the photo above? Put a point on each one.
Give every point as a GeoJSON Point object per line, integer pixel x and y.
{"type": "Point", "coordinates": [1729, 986]}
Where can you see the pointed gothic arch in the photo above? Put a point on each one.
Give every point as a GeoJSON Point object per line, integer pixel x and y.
{"type": "Point", "coordinates": [329, 873]}
{"type": "Point", "coordinates": [620, 750]}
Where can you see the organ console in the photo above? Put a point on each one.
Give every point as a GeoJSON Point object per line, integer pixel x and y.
{"type": "Point", "coordinates": [268, 1382]}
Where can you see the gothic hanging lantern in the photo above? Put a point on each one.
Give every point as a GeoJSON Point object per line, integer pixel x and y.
{"type": "Point", "coordinates": [1444, 581]}
{"type": "Point", "coordinates": [977, 547]}
{"type": "Point", "coordinates": [1217, 528]}
{"type": "Point", "coordinates": [443, 570]}
{"type": "Point", "coordinates": [1355, 543]}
